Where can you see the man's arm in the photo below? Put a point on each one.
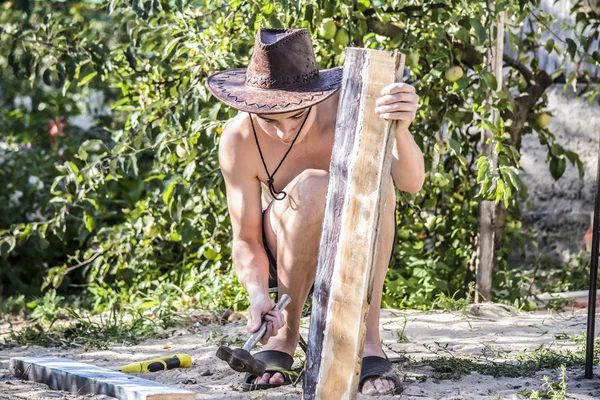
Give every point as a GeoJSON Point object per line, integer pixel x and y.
{"type": "Point", "coordinates": [408, 169]}
{"type": "Point", "coordinates": [244, 203]}
{"type": "Point", "coordinates": [399, 101]}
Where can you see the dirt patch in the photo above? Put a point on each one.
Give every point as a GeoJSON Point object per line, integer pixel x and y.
{"type": "Point", "coordinates": [495, 333]}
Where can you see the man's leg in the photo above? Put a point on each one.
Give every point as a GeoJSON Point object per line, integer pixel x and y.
{"type": "Point", "coordinates": [373, 347]}
{"type": "Point", "coordinates": [293, 230]}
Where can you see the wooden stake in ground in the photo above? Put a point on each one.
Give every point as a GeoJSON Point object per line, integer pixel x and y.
{"type": "Point", "coordinates": [359, 174]}
{"type": "Point", "coordinates": [487, 208]}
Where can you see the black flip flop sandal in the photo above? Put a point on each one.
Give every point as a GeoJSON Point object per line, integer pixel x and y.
{"type": "Point", "coordinates": [373, 366]}
{"type": "Point", "coordinates": [272, 358]}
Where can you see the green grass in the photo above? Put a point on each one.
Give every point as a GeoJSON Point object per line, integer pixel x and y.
{"type": "Point", "coordinates": [400, 335]}
{"type": "Point", "coordinates": [52, 322]}
{"type": "Point", "coordinates": [553, 390]}
{"type": "Point", "coordinates": [524, 364]}
{"type": "Point", "coordinates": [454, 303]}
{"type": "Point", "coordinates": [125, 326]}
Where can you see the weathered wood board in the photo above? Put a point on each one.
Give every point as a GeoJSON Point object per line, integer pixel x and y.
{"type": "Point", "coordinates": [359, 175]}
{"type": "Point", "coordinates": [75, 377]}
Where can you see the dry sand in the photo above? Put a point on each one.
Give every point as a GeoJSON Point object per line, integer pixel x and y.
{"type": "Point", "coordinates": [493, 331]}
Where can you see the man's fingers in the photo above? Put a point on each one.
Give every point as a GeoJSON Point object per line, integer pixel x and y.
{"type": "Point", "coordinates": [268, 334]}
{"type": "Point", "coordinates": [396, 107]}
{"type": "Point", "coordinates": [397, 88]}
{"type": "Point", "coordinates": [280, 318]}
{"type": "Point", "coordinates": [277, 317]}
{"type": "Point", "coordinates": [398, 97]}
{"type": "Point", "coordinates": [255, 320]}
{"type": "Point", "coordinates": [269, 317]}
{"type": "Point", "coordinates": [406, 115]}
{"type": "Point", "coordinates": [275, 321]}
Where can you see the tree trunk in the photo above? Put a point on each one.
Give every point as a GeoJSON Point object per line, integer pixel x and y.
{"type": "Point", "coordinates": [487, 209]}
{"type": "Point", "coordinates": [537, 85]}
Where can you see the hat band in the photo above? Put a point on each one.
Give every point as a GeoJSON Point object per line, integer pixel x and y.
{"type": "Point", "coordinates": [285, 82]}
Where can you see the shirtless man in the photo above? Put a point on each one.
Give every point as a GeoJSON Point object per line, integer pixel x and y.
{"type": "Point", "coordinates": [276, 242]}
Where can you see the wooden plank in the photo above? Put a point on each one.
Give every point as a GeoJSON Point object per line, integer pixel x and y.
{"type": "Point", "coordinates": [359, 174]}
{"type": "Point", "coordinates": [65, 374]}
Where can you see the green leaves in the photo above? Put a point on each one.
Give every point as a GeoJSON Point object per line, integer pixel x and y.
{"type": "Point", "coordinates": [168, 193]}
{"type": "Point", "coordinates": [130, 56]}
{"type": "Point", "coordinates": [489, 79]}
{"type": "Point", "coordinates": [496, 184]}
{"type": "Point", "coordinates": [170, 47]}
{"type": "Point", "coordinates": [90, 222]}
{"type": "Point", "coordinates": [87, 78]}
{"type": "Point", "coordinates": [557, 167]}
{"type": "Point", "coordinates": [571, 47]}
{"type": "Point", "coordinates": [558, 156]}
{"type": "Point", "coordinates": [480, 31]}
{"type": "Point", "coordinates": [189, 170]}
{"type": "Point", "coordinates": [47, 78]}
{"type": "Point", "coordinates": [483, 168]}
{"type": "Point", "coordinates": [143, 184]}
{"type": "Point", "coordinates": [522, 4]}
{"type": "Point", "coordinates": [576, 161]}
{"type": "Point", "coordinates": [549, 45]}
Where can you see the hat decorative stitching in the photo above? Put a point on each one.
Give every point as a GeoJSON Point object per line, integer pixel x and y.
{"type": "Point", "coordinates": [309, 97]}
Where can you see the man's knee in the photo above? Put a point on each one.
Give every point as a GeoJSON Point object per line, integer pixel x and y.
{"type": "Point", "coordinates": [311, 185]}
{"type": "Point", "coordinates": [306, 192]}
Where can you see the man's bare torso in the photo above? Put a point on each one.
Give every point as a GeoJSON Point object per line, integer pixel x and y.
{"type": "Point", "coordinates": [313, 152]}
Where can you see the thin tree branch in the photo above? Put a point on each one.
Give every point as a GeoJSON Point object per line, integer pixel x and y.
{"type": "Point", "coordinates": [523, 70]}
{"type": "Point", "coordinates": [81, 264]}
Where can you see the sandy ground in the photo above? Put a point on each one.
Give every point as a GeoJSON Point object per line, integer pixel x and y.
{"type": "Point", "coordinates": [492, 331]}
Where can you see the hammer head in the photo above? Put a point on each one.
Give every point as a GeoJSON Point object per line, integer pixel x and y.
{"type": "Point", "coordinates": [241, 360]}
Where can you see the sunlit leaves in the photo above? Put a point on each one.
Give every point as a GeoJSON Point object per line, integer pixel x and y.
{"type": "Point", "coordinates": [144, 185]}
{"type": "Point", "coordinates": [87, 78]}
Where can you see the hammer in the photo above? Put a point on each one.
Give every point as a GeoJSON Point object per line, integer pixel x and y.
{"type": "Point", "coordinates": [240, 359]}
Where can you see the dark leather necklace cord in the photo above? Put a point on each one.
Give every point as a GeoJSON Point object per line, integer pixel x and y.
{"type": "Point", "coordinates": [270, 178]}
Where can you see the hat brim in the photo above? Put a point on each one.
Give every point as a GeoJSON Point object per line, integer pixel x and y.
{"type": "Point", "coordinates": [229, 87]}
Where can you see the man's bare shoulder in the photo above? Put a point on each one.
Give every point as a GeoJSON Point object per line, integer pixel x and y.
{"type": "Point", "coordinates": [236, 132]}
{"type": "Point", "coordinates": [235, 140]}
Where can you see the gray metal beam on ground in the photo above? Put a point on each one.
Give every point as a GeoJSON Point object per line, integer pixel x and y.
{"type": "Point", "coordinates": [75, 377]}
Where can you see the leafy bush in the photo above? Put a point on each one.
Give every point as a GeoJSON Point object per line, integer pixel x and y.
{"type": "Point", "coordinates": [136, 205]}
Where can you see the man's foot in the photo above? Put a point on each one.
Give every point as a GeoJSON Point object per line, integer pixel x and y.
{"type": "Point", "coordinates": [377, 384]}
{"type": "Point", "coordinates": [275, 360]}
{"type": "Point", "coordinates": [277, 377]}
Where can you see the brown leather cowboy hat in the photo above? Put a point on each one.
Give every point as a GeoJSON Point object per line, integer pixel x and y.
{"type": "Point", "coordinates": [282, 75]}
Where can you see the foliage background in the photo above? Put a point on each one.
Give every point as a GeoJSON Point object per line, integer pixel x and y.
{"type": "Point", "coordinates": [132, 211]}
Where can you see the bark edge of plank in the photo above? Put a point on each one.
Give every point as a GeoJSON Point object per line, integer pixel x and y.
{"type": "Point", "coordinates": [77, 377]}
